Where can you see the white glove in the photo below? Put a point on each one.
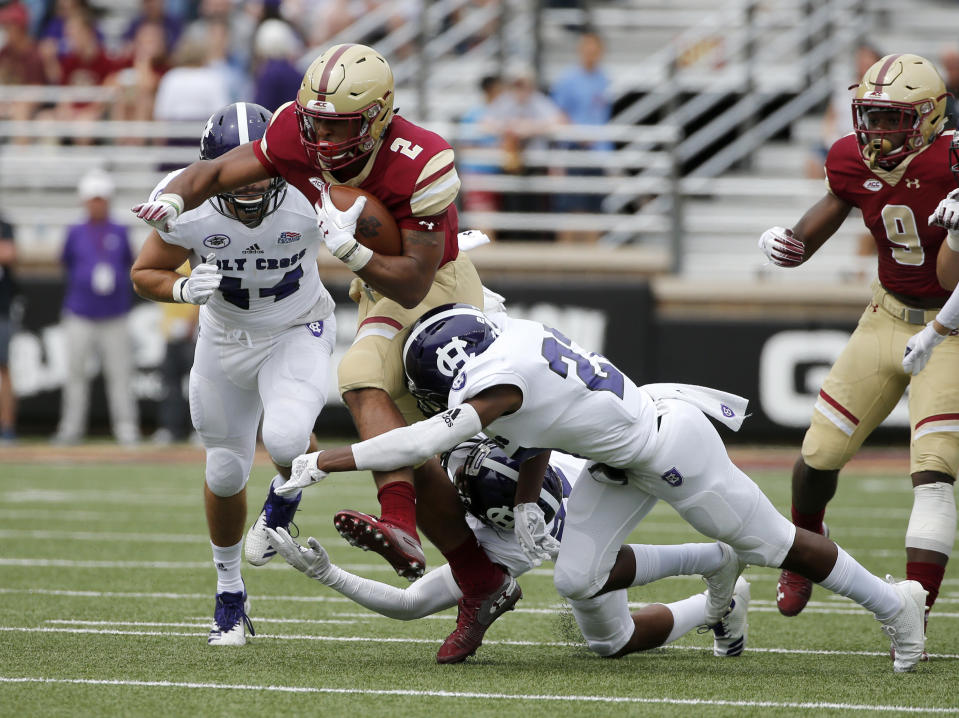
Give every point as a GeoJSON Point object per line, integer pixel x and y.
{"type": "Point", "coordinates": [303, 473]}
{"type": "Point", "coordinates": [529, 525]}
{"type": "Point", "coordinates": [947, 213]}
{"type": "Point", "coordinates": [162, 212]}
{"type": "Point", "coordinates": [471, 239]}
{"type": "Point", "coordinates": [338, 229]}
{"type": "Point", "coordinates": [200, 285]}
{"type": "Point", "coordinates": [919, 349]}
{"type": "Point", "coordinates": [313, 561]}
{"type": "Point", "coordinates": [781, 248]}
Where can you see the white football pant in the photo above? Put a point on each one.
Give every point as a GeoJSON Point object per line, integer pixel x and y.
{"type": "Point", "coordinates": [239, 374]}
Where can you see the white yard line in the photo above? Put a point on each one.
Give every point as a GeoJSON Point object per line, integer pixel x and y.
{"type": "Point", "coordinates": [485, 696]}
{"type": "Point", "coordinates": [432, 641]}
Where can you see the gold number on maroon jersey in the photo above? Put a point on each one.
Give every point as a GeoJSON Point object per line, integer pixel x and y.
{"type": "Point", "coordinates": [405, 147]}
{"type": "Point", "coordinates": [903, 234]}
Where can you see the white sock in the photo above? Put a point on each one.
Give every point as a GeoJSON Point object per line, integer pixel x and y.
{"type": "Point", "coordinates": [227, 562]}
{"type": "Point", "coordinates": [848, 578]}
{"type": "Point", "coordinates": [688, 614]}
{"type": "Point", "coordinates": [654, 562]}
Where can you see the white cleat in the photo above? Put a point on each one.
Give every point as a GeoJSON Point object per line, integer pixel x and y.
{"type": "Point", "coordinates": [721, 583]}
{"type": "Point", "coordinates": [906, 629]}
{"type": "Point", "coordinates": [277, 513]}
{"type": "Point", "coordinates": [230, 620]}
{"type": "Point", "coordinates": [729, 635]}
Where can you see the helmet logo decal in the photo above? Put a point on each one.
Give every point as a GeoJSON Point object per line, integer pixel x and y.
{"type": "Point", "coordinates": [320, 106]}
{"type": "Point", "coordinates": [451, 356]}
{"type": "Point", "coordinates": [881, 75]}
{"type": "Point", "coordinates": [323, 86]}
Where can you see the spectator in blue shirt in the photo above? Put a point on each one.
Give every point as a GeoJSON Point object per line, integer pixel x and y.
{"type": "Point", "coordinates": [97, 258]}
{"type": "Point", "coordinates": [582, 93]}
{"type": "Point", "coordinates": [478, 134]}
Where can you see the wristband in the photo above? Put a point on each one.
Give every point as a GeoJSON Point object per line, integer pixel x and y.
{"type": "Point", "coordinates": [178, 290]}
{"type": "Point", "coordinates": [172, 199]}
{"type": "Point", "coordinates": [948, 322]}
{"type": "Point", "coordinates": [358, 256]}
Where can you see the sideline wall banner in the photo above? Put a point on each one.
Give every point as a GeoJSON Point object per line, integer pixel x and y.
{"type": "Point", "coordinates": [778, 366]}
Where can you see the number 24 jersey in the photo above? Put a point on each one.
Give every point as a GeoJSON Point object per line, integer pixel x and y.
{"type": "Point", "coordinates": [573, 400]}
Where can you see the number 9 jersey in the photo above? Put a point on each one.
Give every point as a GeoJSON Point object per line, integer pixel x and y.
{"type": "Point", "coordinates": [573, 400]}
{"type": "Point", "coordinates": [895, 207]}
{"type": "Point", "coordinates": [270, 276]}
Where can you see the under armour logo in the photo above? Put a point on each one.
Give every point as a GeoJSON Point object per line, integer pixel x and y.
{"type": "Point", "coordinates": [912, 183]}
{"type": "Point", "coordinates": [451, 357]}
{"type": "Point", "coordinates": [428, 225]}
{"type": "Point", "coordinates": [499, 602]}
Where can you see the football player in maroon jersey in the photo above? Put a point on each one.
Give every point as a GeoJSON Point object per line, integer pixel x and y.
{"type": "Point", "coordinates": [895, 169]}
{"type": "Point", "coordinates": [342, 129]}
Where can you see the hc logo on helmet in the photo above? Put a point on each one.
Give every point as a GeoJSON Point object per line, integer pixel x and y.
{"type": "Point", "coordinates": [451, 357]}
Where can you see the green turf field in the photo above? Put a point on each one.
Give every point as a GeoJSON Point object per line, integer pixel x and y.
{"type": "Point", "coordinates": [106, 592]}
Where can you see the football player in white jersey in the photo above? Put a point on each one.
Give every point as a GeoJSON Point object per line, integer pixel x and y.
{"type": "Point", "coordinates": [532, 389]}
{"type": "Point", "coordinates": [486, 481]}
{"type": "Point", "coordinates": [267, 333]}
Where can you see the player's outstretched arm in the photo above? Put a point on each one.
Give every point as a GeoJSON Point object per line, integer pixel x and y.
{"type": "Point", "coordinates": [791, 247]}
{"type": "Point", "coordinates": [200, 181]}
{"type": "Point", "coordinates": [408, 445]}
{"type": "Point", "coordinates": [436, 591]}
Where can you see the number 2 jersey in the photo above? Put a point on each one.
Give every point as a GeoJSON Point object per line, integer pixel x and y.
{"type": "Point", "coordinates": [411, 171]}
{"type": "Point", "coordinates": [270, 277]}
{"type": "Point", "coordinates": [573, 400]}
{"type": "Point", "coordinates": [895, 206]}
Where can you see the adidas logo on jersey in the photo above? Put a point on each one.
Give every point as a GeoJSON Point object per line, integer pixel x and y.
{"type": "Point", "coordinates": [253, 249]}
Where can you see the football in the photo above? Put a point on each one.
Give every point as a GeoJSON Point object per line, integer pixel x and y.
{"type": "Point", "coordinates": [376, 227]}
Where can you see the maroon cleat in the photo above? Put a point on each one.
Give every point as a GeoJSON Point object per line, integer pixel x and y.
{"type": "Point", "coordinates": [793, 591]}
{"type": "Point", "coordinates": [391, 542]}
{"type": "Point", "coordinates": [474, 617]}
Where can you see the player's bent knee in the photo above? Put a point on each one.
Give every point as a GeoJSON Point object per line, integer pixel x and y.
{"type": "Point", "coordinates": [226, 472]}
{"type": "Point", "coordinates": [932, 523]}
{"type": "Point", "coordinates": [605, 622]}
{"type": "Point", "coordinates": [576, 584]}
{"type": "Point", "coordinates": [283, 442]}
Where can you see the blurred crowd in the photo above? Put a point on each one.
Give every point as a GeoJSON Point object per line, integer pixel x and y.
{"type": "Point", "coordinates": [184, 59]}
